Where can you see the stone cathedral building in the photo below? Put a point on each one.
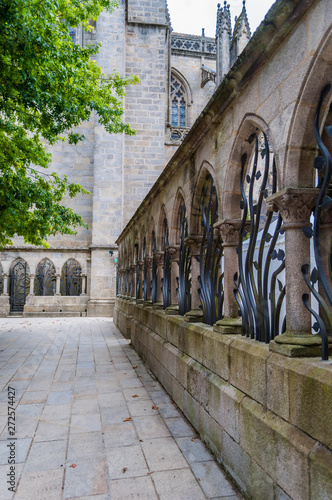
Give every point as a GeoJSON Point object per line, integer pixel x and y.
{"type": "Point", "coordinates": [178, 75]}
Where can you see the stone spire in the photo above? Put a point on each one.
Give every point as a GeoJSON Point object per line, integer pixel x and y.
{"type": "Point", "coordinates": [223, 40]}
{"type": "Point", "coordinates": [241, 34]}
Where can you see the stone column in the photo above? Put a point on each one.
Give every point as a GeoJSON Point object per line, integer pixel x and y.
{"type": "Point", "coordinates": [83, 284]}
{"type": "Point", "coordinates": [32, 284]}
{"type": "Point", "coordinates": [57, 285]}
{"type": "Point", "coordinates": [141, 273]}
{"type": "Point", "coordinates": [159, 256]}
{"type": "Point", "coordinates": [295, 206]}
{"type": "Point", "coordinates": [148, 261]}
{"type": "Point", "coordinates": [229, 230]}
{"type": "Point", "coordinates": [196, 313]}
{"type": "Point", "coordinates": [174, 256]}
{"type": "Point", "coordinates": [5, 284]}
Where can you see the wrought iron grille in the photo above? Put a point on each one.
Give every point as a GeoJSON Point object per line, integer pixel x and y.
{"type": "Point", "coordinates": [166, 279]}
{"type": "Point", "coordinates": [1, 281]}
{"type": "Point", "coordinates": [183, 281]}
{"type": "Point", "coordinates": [211, 291]}
{"type": "Point", "coordinates": [145, 272]}
{"type": "Point", "coordinates": [138, 273]}
{"type": "Point", "coordinates": [45, 280]}
{"type": "Point", "coordinates": [131, 284]}
{"type": "Point", "coordinates": [71, 280]}
{"type": "Point", "coordinates": [322, 272]}
{"type": "Point", "coordinates": [117, 280]}
{"type": "Point", "coordinates": [259, 291]}
{"type": "Point", "coordinates": [154, 270]}
{"type": "Point", "coordinates": [19, 286]}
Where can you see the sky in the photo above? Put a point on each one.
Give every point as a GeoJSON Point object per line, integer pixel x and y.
{"type": "Point", "coordinates": [190, 16]}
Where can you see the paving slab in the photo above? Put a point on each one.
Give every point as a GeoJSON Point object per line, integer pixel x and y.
{"type": "Point", "coordinates": [91, 421]}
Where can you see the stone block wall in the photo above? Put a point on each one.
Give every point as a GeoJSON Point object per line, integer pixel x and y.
{"type": "Point", "coordinates": [265, 417]}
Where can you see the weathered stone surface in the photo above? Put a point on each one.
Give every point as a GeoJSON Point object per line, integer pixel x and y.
{"type": "Point", "coordinates": [278, 447]}
{"type": "Point", "coordinates": [310, 399]}
{"type": "Point", "coordinates": [321, 473]}
{"type": "Point", "coordinates": [248, 368]}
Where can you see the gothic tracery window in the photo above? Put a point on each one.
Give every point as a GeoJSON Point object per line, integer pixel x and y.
{"type": "Point", "coordinates": [178, 103]}
{"type": "Point", "coordinates": [71, 278]}
{"type": "Point", "coordinates": [45, 280]}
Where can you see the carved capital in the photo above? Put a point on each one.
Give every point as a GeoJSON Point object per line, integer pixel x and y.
{"type": "Point", "coordinates": [194, 244]}
{"type": "Point", "coordinates": [159, 258]}
{"type": "Point", "coordinates": [148, 261]}
{"type": "Point", "coordinates": [294, 205]}
{"type": "Point", "coordinates": [140, 264]}
{"type": "Point", "coordinates": [174, 252]}
{"type": "Point", "coordinates": [5, 275]}
{"type": "Point", "coordinates": [133, 268]}
{"type": "Point", "coordinates": [230, 231]}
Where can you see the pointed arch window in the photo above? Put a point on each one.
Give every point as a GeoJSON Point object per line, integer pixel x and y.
{"type": "Point", "coordinates": [71, 278]}
{"type": "Point", "coordinates": [45, 280]}
{"type": "Point", "coordinates": [179, 100]}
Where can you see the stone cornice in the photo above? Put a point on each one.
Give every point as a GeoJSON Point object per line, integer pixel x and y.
{"type": "Point", "coordinates": [281, 19]}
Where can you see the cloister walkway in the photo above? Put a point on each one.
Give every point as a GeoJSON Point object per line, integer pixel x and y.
{"type": "Point", "coordinates": [91, 422]}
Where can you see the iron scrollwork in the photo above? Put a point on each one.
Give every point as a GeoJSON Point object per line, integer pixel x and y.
{"type": "Point", "coordinates": [19, 286]}
{"type": "Point", "coordinates": [320, 274]}
{"type": "Point", "coordinates": [211, 292]}
{"type": "Point", "coordinates": [145, 272]}
{"type": "Point", "coordinates": [166, 279]}
{"type": "Point", "coordinates": [259, 291]}
{"type": "Point", "coordinates": [183, 281]}
{"type": "Point", "coordinates": [45, 280]}
{"type": "Point", "coordinates": [154, 270]}
{"type": "Point", "coordinates": [71, 278]}
{"type": "Point", "coordinates": [138, 274]}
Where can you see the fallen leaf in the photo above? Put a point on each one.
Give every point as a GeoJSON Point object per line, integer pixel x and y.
{"type": "Point", "coordinates": [134, 396]}
{"type": "Point", "coordinates": [199, 479]}
{"type": "Point", "coordinates": [193, 440]}
{"type": "Point", "coordinates": [124, 470]}
{"type": "Point", "coordinates": [135, 367]}
{"type": "Point", "coordinates": [73, 466]}
{"type": "Point", "coordinates": [149, 473]}
{"type": "Point", "coordinates": [127, 419]}
{"type": "Point", "coordinates": [155, 407]}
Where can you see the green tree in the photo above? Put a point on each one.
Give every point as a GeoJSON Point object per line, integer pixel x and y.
{"type": "Point", "coordinates": [48, 85]}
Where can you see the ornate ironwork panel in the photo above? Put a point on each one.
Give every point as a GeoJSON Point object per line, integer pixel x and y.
{"type": "Point", "coordinates": [19, 286]}
{"type": "Point", "coordinates": [154, 270]}
{"type": "Point", "coordinates": [45, 280]}
{"type": "Point", "coordinates": [71, 279]}
{"type": "Point", "coordinates": [183, 281]}
{"type": "Point", "coordinates": [117, 280]}
{"type": "Point", "coordinates": [322, 272]}
{"type": "Point", "coordinates": [166, 279]}
{"type": "Point", "coordinates": [1, 280]}
{"type": "Point", "coordinates": [145, 272]}
{"type": "Point", "coordinates": [138, 273]}
{"type": "Point", "coordinates": [259, 291]}
{"type": "Point", "coordinates": [131, 282]}
{"type": "Point", "coordinates": [210, 279]}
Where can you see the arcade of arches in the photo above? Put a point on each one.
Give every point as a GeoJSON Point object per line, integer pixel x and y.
{"type": "Point", "coordinates": [224, 277]}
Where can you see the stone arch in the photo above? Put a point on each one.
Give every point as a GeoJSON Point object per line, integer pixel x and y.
{"type": "Point", "coordinates": [71, 278]}
{"type": "Point", "coordinates": [301, 146]}
{"type": "Point", "coordinates": [175, 225]}
{"type": "Point", "coordinates": [160, 238]}
{"type": "Point", "coordinates": [195, 219]}
{"type": "Point", "coordinates": [149, 236]}
{"type": "Point", "coordinates": [45, 279]}
{"type": "Point", "coordinates": [19, 283]}
{"type": "Point", "coordinates": [231, 194]}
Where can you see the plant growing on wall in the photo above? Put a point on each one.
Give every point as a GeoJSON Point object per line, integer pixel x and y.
{"type": "Point", "coordinates": [48, 85]}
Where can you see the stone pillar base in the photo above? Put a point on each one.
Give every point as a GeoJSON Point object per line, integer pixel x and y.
{"type": "Point", "coordinates": [147, 303]}
{"type": "Point", "coordinates": [139, 301]}
{"type": "Point", "coordinates": [99, 307]}
{"type": "Point", "coordinates": [4, 306]}
{"type": "Point", "coordinates": [297, 345]}
{"type": "Point", "coordinates": [172, 310]}
{"type": "Point", "coordinates": [194, 316]}
{"type": "Point", "coordinates": [157, 305]}
{"type": "Point", "coordinates": [228, 326]}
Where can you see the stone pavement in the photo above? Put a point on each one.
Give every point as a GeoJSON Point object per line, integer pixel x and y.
{"type": "Point", "coordinates": [91, 422]}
